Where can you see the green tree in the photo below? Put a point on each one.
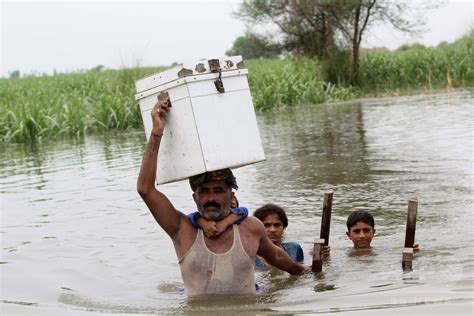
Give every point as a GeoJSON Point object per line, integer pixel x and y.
{"type": "Point", "coordinates": [303, 26]}
{"type": "Point", "coordinates": [352, 18]}
{"type": "Point", "coordinates": [97, 68]}
{"type": "Point", "coordinates": [250, 46]}
{"type": "Point", "coordinates": [319, 28]}
{"type": "Point", "coordinates": [15, 74]}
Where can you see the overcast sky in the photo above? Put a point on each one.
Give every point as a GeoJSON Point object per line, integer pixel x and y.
{"type": "Point", "coordinates": [39, 36]}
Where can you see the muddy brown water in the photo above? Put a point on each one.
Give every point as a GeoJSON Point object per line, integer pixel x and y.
{"type": "Point", "coordinates": [77, 239]}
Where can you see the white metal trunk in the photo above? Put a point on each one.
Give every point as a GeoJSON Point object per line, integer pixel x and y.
{"type": "Point", "coordinates": [206, 129]}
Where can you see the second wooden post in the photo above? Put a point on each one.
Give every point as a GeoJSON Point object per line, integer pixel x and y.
{"type": "Point", "coordinates": [326, 217]}
{"type": "Point", "coordinates": [324, 235]}
{"type": "Point", "coordinates": [407, 257]}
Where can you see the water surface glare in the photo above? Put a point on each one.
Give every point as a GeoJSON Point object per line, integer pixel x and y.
{"type": "Point", "coordinates": [76, 237]}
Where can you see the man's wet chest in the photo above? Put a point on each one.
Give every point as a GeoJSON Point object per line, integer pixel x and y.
{"type": "Point", "coordinates": [225, 241]}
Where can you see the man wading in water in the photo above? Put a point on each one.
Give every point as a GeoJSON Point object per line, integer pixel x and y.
{"type": "Point", "coordinates": [219, 265]}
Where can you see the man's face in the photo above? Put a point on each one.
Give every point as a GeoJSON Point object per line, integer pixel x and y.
{"type": "Point", "coordinates": [274, 227]}
{"type": "Point", "coordinates": [213, 199]}
{"type": "Point", "coordinates": [361, 235]}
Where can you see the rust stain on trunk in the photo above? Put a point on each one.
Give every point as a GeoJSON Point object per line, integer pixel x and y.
{"type": "Point", "coordinates": [185, 72]}
{"type": "Point", "coordinates": [229, 64]}
{"type": "Point", "coordinates": [200, 68]}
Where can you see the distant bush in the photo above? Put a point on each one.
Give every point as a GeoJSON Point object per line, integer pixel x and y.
{"type": "Point", "coordinates": [410, 47]}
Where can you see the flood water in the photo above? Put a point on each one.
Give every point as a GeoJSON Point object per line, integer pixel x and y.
{"type": "Point", "coordinates": [76, 237]}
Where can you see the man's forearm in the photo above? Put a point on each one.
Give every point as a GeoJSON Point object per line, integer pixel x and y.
{"type": "Point", "coordinates": [284, 262]}
{"type": "Point", "coordinates": [146, 178]}
{"type": "Point", "coordinates": [161, 208]}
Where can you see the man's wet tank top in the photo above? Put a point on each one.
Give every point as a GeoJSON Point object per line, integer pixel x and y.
{"type": "Point", "coordinates": [206, 272]}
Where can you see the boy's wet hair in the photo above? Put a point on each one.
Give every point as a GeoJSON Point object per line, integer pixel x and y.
{"type": "Point", "coordinates": [270, 208]}
{"type": "Point", "coordinates": [360, 216]}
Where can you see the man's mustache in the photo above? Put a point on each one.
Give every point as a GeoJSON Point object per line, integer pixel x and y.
{"type": "Point", "coordinates": [214, 204]}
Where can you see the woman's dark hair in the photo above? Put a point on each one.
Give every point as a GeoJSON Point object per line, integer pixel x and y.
{"type": "Point", "coordinates": [270, 208]}
{"type": "Point", "coordinates": [360, 216]}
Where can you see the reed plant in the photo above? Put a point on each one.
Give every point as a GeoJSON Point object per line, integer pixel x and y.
{"type": "Point", "coordinates": [419, 67]}
{"type": "Point", "coordinates": [72, 104]}
{"type": "Point", "coordinates": [33, 108]}
{"type": "Point", "coordinates": [287, 82]}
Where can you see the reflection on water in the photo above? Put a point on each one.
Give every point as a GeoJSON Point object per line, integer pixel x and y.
{"type": "Point", "coordinates": [76, 237]}
{"type": "Point", "coordinates": [366, 254]}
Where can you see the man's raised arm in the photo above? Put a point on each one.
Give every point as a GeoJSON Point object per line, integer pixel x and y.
{"type": "Point", "coordinates": [161, 208]}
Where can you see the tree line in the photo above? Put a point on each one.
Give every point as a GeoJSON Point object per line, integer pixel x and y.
{"type": "Point", "coordinates": [328, 30]}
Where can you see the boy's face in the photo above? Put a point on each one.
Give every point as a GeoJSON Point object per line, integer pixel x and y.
{"type": "Point", "coordinates": [361, 235]}
{"type": "Point", "coordinates": [274, 227]}
{"type": "Point", "coordinates": [234, 203]}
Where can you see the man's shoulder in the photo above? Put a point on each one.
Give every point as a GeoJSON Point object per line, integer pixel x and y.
{"type": "Point", "coordinates": [186, 225]}
{"type": "Point", "coordinates": [252, 223]}
{"type": "Point", "coordinates": [187, 219]}
{"type": "Point", "coordinates": [251, 220]}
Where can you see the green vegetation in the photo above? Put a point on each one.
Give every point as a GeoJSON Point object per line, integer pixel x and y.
{"type": "Point", "coordinates": [35, 108]}
{"type": "Point", "coordinates": [419, 67]}
{"type": "Point", "coordinates": [320, 29]}
{"type": "Point", "coordinates": [72, 104]}
{"type": "Point", "coordinates": [250, 47]}
{"type": "Point", "coordinates": [277, 83]}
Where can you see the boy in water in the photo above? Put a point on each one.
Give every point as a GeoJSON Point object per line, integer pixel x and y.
{"type": "Point", "coordinates": [361, 231]}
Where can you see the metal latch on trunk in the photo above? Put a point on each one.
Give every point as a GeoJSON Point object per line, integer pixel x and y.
{"type": "Point", "coordinates": [214, 66]}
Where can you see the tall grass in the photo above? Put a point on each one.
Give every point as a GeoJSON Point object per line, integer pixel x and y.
{"type": "Point", "coordinates": [69, 104]}
{"type": "Point", "coordinates": [419, 67]}
{"type": "Point", "coordinates": [275, 83]}
{"type": "Point", "coordinates": [73, 104]}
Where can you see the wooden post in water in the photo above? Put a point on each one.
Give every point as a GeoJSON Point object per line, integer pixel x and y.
{"type": "Point", "coordinates": [411, 223]}
{"type": "Point", "coordinates": [318, 255]}
{"type": "Point", "coordinates": [407, 256]}
{"type": "Point", "coordinates": [326, 217]}
{"type": "Point", "coordinates": [407, 259]}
